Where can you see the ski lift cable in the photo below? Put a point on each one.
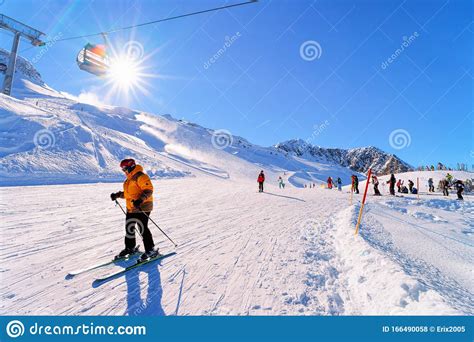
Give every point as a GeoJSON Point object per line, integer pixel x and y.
{"type": "Point", "coordinates": [151, 22]}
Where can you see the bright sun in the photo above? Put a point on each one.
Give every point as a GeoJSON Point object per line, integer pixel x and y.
{"type": "Point", "coordinates": [124, 73]}
{"type": "Point", "coordinates": [126, 77]}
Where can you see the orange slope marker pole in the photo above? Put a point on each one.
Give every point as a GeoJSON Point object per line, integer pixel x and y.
{"type": "Point", "coordinates": [363, 202]}
{"type": "Point", "coordinates": [418, 187]}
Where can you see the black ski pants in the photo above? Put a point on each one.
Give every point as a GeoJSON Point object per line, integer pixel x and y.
{"type": "Point", "coordinates": [376, 190]}
{"type": "Point", "coordinates": [138, 221]}
{"type": "Point", "coordinates": [392, 189]}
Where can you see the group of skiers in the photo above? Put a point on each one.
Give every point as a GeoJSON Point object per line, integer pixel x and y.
{"type": "Point", "coordinates": [444, 185]}
{"type": "Point", "coordinates": [138, 194]}
{"type": "Point", "coordinates": [401, 188]}
{"type": "Point", "coordinates": [330, 183]}
{"type": "Point", "coordinates": [337, 184]}
{"type": "Point", "coordinates": [447, 182]}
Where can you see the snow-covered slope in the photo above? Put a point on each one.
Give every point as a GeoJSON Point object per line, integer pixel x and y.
{"type": "Point", "coordinates": [50, 138]}
{"type": "Point", "coordinates": [282, 252]}
{"type": "Point", "coordinates": [27, 81]}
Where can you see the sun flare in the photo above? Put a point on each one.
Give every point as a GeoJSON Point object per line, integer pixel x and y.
{"type": "Point", "coordinates": [124, 73]}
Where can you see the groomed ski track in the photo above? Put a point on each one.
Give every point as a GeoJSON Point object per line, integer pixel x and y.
{"type": "Point", "coordinates": [283, 252]}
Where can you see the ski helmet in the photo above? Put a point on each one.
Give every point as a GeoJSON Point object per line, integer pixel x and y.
{"type": "Point", "coordinates": [127, 165]}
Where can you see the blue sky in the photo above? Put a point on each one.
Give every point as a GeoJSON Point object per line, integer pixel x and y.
{"type": "Point", "coordinates": [347, 95]}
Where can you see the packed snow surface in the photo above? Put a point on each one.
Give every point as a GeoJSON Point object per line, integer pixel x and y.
{"type": "Point", "coordinates": [287, 251]}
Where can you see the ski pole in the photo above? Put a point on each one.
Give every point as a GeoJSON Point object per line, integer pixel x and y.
{"type": "Point", "coordinates": [157, 226]}
{"type": "Point", "coordinates": [117, 203]}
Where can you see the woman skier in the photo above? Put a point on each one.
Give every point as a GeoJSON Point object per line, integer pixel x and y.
{"type": "Point", "coordinates": [281, 184]}
{"type": "Point", "coordinates": [375, 182]}
{"type": "Point", "coordinates": [260, 181]}
{"type": "Point", "coordinates": [329, 182]}
{"type": "Point", "coordinates": [138, 193]}
{"type": "Point", "coordinates": [399, 185]}
{"type": "Point", "coordinates": [392, 181]}
{"type": "Point", "coordinates": [355, 184]}
{"type": "Point", "coordinates": [460, 188]}
{"type": "Point", "coordinates": [410, 185]}
{"type": "Point", "coordinates": [431, 185]}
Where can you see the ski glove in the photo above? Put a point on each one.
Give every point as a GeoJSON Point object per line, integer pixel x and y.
{"type": "Point", "coordinates": [137, 203]}
{"type": "Point", "coordinates": [114, 195]}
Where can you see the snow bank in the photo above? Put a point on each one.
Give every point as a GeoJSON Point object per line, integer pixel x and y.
{"type": "Point", "coordinates": [376, 284]}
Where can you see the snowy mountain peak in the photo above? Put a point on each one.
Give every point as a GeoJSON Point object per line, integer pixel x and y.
{"type": "Point", "coordinates": [297, 146]}
{"type": "Point", "coordinates": [358, 159]}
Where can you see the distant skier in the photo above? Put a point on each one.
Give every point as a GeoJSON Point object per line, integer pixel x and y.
{"type": "Point", "coordinates": [400, 185]}
{"type": "Point", "coordinates": [260, 181]}
{"type": "Point", "coordinates": [449, 178]}
{"type": "Point", "coordinates": [445, 187]}
{"type": "Point", "coordinates": [431, 185]}
{"type": "Point", "coordinates": [138, 193]}
{"type": "Point", "coordinates": [355, 184]}
{"type": "Point", "coordinates": [410, 185]}
{"type": "Point", "coordinates": [459, 189]}
{"type": "Point", "coordinates": [329, 182]}
{"type": "Point", "coordinates": [375, 182]}
{"type": "Point", "coordinates": [392, 182]}
{"type": "Point", "coordinates": [281, 184]}
{"type": "Point", "coordinates": [339, 183]}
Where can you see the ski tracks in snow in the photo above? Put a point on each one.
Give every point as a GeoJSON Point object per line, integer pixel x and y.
{"type": "Point", "coordinates": [287, 252]}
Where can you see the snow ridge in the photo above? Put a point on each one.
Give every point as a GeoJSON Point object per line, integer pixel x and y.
{"type": "Point", "coordinates": [357, 159]}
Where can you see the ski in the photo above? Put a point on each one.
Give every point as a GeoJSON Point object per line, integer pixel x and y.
{"type": "Point", "coordinates": [138, 264]}
{"type": "Point", "coordinates": [93, 267]}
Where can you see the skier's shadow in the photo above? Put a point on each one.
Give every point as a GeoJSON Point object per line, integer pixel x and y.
{"type": "Point", "coordinates": [151, 305]}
